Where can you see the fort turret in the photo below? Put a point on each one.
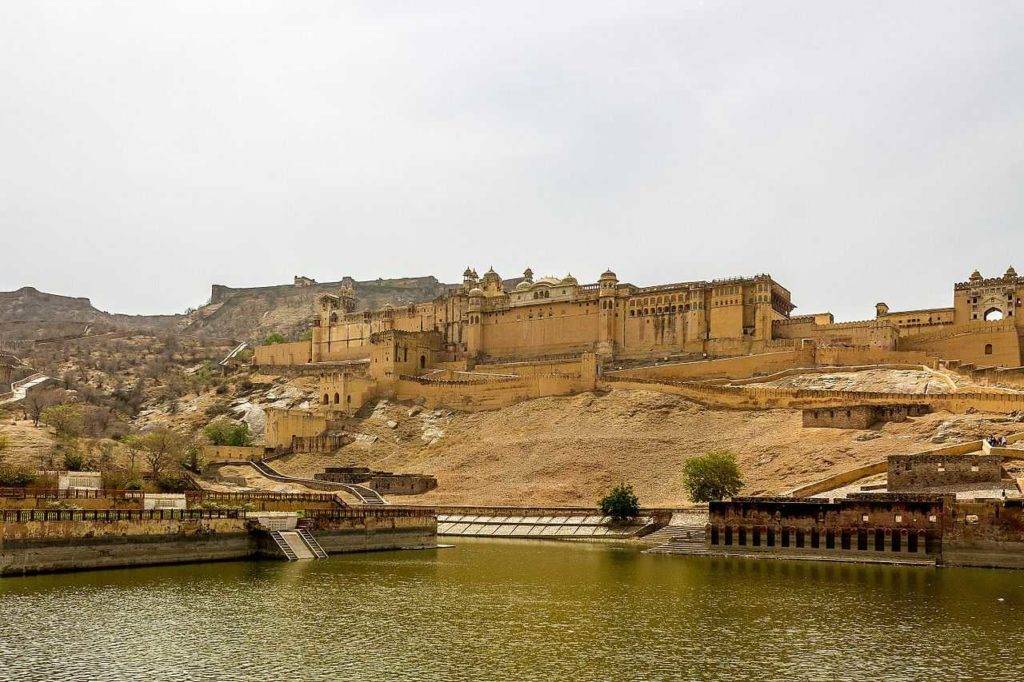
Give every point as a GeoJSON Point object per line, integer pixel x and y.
{"type": "Point", "coordinates": [881, 309]}
{"type": "Point", "coordinates": [607, 288]}
{"type": "Point", "coordinates": [474, 330]}
{"type": "Point", "coordinates": [492, 283]}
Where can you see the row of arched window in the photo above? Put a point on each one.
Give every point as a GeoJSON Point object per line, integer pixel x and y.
{"type": "Point", "coordinates": [667, 310]}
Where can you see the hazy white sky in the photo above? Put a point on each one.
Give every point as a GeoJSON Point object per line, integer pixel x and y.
{"type": "Point", "coordinates": [857, 151]}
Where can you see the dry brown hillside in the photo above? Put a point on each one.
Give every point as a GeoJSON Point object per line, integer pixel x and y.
{"type": "Point", "coordinates": [571, 450]}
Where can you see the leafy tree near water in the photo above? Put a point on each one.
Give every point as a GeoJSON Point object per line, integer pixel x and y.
{"type": "Point", "coordinates": [621, 503]}
{"type": "Point", "coordinates": [713, 476]}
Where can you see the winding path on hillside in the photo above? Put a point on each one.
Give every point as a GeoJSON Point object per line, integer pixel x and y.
{"type": "Point", "coordinates": [362, 493]}
{"type": "Point", "coordinates": [19, 389]}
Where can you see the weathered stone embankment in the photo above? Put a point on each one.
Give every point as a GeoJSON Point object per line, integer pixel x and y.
{"type": "Point", "coordinates": [41, 542]}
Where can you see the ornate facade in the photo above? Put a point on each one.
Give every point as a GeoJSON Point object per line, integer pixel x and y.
{"type": "Point", "coordinates": [551, 316]}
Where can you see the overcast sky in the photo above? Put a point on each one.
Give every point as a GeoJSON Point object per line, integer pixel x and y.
{"type": "Point", "coordinates": [857, 151]}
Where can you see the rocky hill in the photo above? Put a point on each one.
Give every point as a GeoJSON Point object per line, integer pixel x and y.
{"type": "Point", "coordinates": [252, 313]}
{"type": "Point", "coordinates": [30, 314]}
{"type": "Point", "coordinates": [247, 314]}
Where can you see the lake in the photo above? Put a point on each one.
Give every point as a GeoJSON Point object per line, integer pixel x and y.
{"type": "Point", "coordinates": [514, 610]}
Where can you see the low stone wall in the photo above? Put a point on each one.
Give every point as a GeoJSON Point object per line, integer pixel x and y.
{"type": "Point", "coordinates": [486, 394]}
{"type": "Point", "coordinates": [230, 453]}
{"type": "Point", "coordinates": [761, 398]}
{"type": "Point", "coordinates": [46, 546]}
{"type": "Point", "coordinates": [880, 467]}
{"type": "Point", "coordinates": [38, 542]}
{"type": "Point", "coordinates": [373, 530]}
{"type": "Point", "coordinates": [723, 368]}
{"type": "Point", "coordinates": [841, 479]}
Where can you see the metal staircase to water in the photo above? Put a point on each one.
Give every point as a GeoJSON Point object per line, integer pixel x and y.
{"type": "Point", "coordinates": [312, 543]}
{"type": "Point", "coordinates": [285, 548]}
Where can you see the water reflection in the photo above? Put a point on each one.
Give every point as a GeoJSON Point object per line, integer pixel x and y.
{"type": "Point", "coordinates": [513, 610]}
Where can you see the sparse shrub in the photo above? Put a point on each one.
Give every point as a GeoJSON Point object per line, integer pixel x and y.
{"type": "Point", "coordinates": [66, 419]}
{"type": "Point", "coordinates": [173, 483]}
{"type": "Point", "coordinates": [193, 458]}
{"type": "Point", "coordinates": [713, 476]}
{"type": "Point", "coordinates": [217, 410]}
{"type": "Point", "coordinates": [16, 477]}
{"type": "Point", "coordinates": [74, 460]}
{"type": "Point", "coordinates": [38, 400]}
{"type": "Point", "coordinates": [222, 431]}
{"type": "Point", "coordinates": [273, 338]}
{"type": "Point", "coordinates": [621, 503]}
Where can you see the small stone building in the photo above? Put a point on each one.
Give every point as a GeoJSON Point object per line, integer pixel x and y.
{"type": "Point", "coordinates": [79, 480]}
{"type": "Point", "coordinates": [925, 471]}
{"type": "Point", "coordinates": [384, 482]}
{"type": "Point", "coordinates": [859, 416]}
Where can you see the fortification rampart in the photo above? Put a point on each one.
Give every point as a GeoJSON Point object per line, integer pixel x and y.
{"type": "Point", "coordinates": [741, 397]}
{"type": "Point", "coordinates": [282, 354]}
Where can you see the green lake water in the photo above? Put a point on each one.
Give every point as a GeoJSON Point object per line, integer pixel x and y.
{"type": "Point", "coordinates": [514, 610]}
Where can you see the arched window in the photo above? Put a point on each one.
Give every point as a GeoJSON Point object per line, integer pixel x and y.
{"type": "Point", "coordinates": [327, 399]}
{"type": "Point", "coordinates": [423, 362]}
{"type": "Point", "coordinates": [337, 398]}
{"type": "Point", "coordinates": [988, 349]}
{"type": "Point", "coordinates": [993, 315]}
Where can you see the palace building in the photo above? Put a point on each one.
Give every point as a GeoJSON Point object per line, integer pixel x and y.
{"type": "Point", "coordinates": [489, 342]}
{"type": "Point", "coordinates": [551, 316]}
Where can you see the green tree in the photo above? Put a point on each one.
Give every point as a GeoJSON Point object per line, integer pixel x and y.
{"type": "Point", "coordinates": [161, 447]}
{"type": "Point", "coordinates": [620, 504]}
{"type": "Point", "coordinates": [133, 443]}
{"type": "Point", "coordinates": [273, 338]}
{"type": "Point", "coordinates": [38, 400]}
{"type": "Point", "coordinates": [223, 431]}
{"type": "Point", "coordinates": [74, 460]}
{"type": "Point", "coordinates": [713, 476]}
{"type": "Point", "coordinates": [306, 335]}
{"type": "Point", "coordinates": [193, 460]}
{"type": "Point", "coordinates": [66, 419]}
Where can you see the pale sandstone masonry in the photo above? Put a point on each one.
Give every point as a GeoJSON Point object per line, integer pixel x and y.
{"type": "Point", "coordinates": [487, 344]}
